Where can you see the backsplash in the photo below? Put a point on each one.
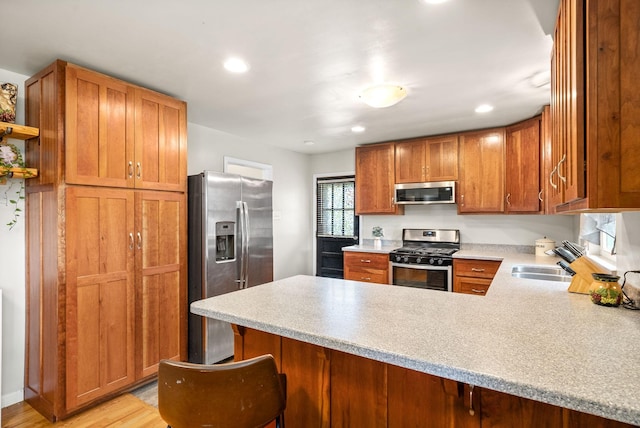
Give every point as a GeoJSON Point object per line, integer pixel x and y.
{"type": "Point", "coordinates": [628, 251]}
{"type": "Point", "coordinates": [478, 229]}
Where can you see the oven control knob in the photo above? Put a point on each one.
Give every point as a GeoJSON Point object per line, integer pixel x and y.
{"type": "Point", "coordinates": [439, 261]}
{"type": "Point", "coordinates": [398, 258]}
{"type": "Point", "coordinates": [432, 261]}
{"type": "Point", "coordinates": [405, 259]}
{"type": "Point", "coordinates": [418, 260]}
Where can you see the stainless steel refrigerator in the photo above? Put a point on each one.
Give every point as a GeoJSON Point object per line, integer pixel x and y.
{"type": "Point", "coordinates": [230, 248]}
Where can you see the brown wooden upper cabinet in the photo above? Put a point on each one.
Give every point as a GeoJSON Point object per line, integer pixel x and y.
{"type": "Point", "coordinates": [119, 135]}
{"type": "Point", "coordinates": [522, 180]}
{"type": "Point", "coordinates": [427, 159]}
{"type": "Point", "coordinates": [481, 184]}
{"type": "Point", "coordinates": [594, 106]}
{"type": "Point", "coordinates": [375, 180]}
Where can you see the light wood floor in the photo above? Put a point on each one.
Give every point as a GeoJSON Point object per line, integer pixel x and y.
{"type": "Point", "coordinates": [123, 411]}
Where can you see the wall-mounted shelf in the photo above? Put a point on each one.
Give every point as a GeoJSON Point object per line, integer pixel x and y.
{"type": "Point", "coordinates": [17, 172]}
{"type": "Point", "coordinates": [18, 132]}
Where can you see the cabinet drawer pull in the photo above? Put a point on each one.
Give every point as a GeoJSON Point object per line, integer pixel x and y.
{"type": "Point", "coordinates": [365, 279]}
{"type": "Point", "coordinates": [365, 261]}
{"type": "Point", "coordinates": [130, 169]}
{"type": "Point", "coordinates": [477, 269]}
{"type": "Point", "coordinates": [131, 241]}
{"type": "Point", "coordinates": [475, 290]}
{"type": "Point", "coordinates": [564, 158]}
{"type": "Point", "coordinates": [471, 411]}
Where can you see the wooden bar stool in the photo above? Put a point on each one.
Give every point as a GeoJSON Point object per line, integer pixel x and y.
{"type": "Point", "coordinates": [243, 394]}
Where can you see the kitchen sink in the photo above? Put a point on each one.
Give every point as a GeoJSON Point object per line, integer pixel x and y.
{"type": "Point", "coordinates": [545, 273]}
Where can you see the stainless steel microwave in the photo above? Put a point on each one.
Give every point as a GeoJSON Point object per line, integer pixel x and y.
{"type": "Point", "coordinates": [436, 192]}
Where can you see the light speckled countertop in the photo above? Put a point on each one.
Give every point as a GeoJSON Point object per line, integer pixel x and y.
{"type": "Point", "coordinates": [526, 337]}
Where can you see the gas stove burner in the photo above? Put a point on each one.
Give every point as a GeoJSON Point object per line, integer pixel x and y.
{"type": "Point", "coordinates": [427, 246]}
{"type": "Point", "coordinates": [426, 251]}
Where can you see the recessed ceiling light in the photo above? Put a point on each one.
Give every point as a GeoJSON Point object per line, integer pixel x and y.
{"type": "Point", "coordinates": [433, 1]}
{"type": "Point", "coordinates": [358, 128]}
{"type": "Point", "coordinates": [309, 143]}
{"type": "Point", "coordinates": [383, 95]}
{"type": "Point", "coordinates": [236, 65]}
{"type": "Point", "coordinates": [484, 108]}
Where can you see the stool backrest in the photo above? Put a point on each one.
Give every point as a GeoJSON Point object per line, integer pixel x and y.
{"type": "Point", "coordinates": [243, 394]}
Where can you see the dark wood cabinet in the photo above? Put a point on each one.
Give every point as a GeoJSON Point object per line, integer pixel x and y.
{"type": "Point", "coordinates": [594, 98]}
{"type": "Point", "coordinates": [366, 267]}
{"type": "Point", "coordinates": [522, 167]}
{"type": "Point", "coordinates": [473, 276]}
{"type": "Point", "coordinates": [328, 388]}
{"type": "Point", "coordinates": [375, 180]}
{"type": "Point", "coordinates": [106, 269]}
{"type": "Point", "coordinates": [160, 277]}
{"type": "Point", "coordinates": [119, 135]}
{"type": "Point", "coordinates": [100, 292]}
{"type": "Point", "coordinates": [481, 185]}
{"type": "Point", "coordinates": [427, 159]}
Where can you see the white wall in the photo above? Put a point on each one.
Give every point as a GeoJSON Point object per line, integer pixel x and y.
{"type": "Point", "coordinates": [12, 275]}
{"type": "Point", "coordinates": [292, 201]}
{"type": "Point", "coordinates": [477, 229]}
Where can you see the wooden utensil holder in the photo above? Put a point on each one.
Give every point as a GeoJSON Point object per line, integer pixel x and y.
{"type": "Point", "coordinates": [584, 267]}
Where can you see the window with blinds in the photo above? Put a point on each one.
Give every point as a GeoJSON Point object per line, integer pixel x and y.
{"type": "Point", "coordinates": [336, 208]}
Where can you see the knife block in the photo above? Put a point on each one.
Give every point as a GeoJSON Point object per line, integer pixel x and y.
{"type": "Point", "coordinates": [584, 267]}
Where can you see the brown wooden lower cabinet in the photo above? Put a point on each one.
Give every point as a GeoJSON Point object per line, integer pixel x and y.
{"type": "Point", "coordinates": [327, 388]}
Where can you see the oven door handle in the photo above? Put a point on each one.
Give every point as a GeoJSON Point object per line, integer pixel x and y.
{"type": "Point", "coordinates": [421, 267]}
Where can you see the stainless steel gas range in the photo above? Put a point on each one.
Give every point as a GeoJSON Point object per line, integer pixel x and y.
{"type": "Point", "coordinates": [425, 259]}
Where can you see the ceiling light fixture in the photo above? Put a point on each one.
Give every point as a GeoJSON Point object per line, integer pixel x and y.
{"type": "Point", "coordinates": [236, 65]}
{"type": "Point", "coordinates": [484, 108]}
{"type": "Point", "coordinates": [383, 95]}
{"type": "Point", "coordinates": [433, 1]}
{"type": "Point", "coordinates": [358, 128]}
{"type": "Point", "coordinates": [309, 143]}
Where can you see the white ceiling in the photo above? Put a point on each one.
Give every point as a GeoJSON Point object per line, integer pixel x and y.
{"type": "Point", "coordinates": [308, 59]}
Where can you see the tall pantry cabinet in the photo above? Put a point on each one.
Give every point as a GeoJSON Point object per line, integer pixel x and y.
{"type": "Point", "coordinates": [106, 237]}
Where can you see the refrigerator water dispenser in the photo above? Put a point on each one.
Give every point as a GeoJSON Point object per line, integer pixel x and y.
{"type": "Point", "coordinates": [225, 242]}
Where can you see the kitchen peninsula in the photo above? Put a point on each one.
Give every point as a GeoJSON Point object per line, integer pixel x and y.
{"type": "Point", "coordinates": [528, 349]}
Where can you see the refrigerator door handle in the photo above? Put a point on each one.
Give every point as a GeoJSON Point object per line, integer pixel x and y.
{"type": "Point", "coordinates": [245, 242]}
